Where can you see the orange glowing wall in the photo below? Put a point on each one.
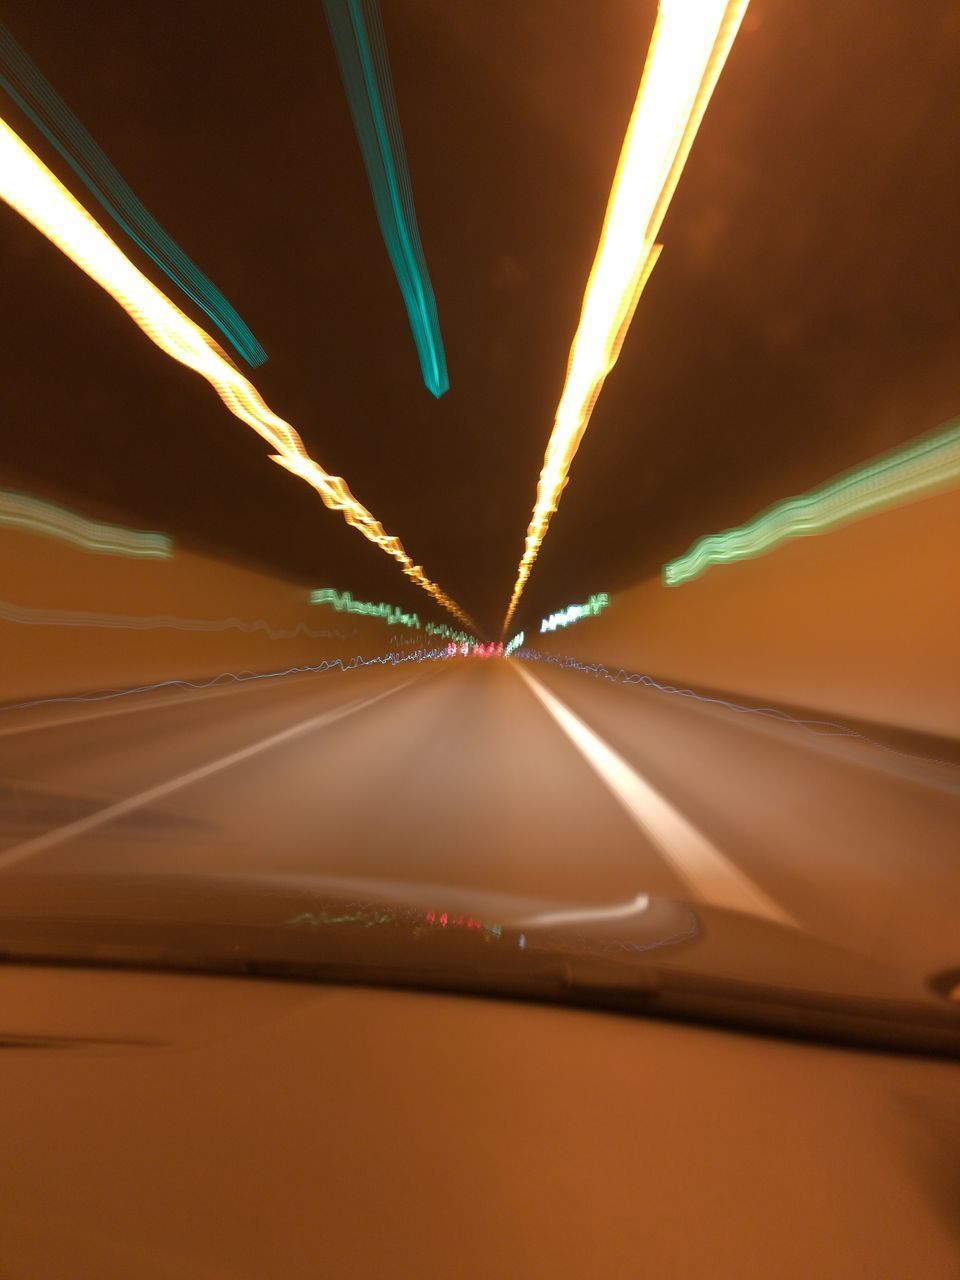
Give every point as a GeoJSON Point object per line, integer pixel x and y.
{"type": "Point", "coordinates": [862, 622]}
{"type": "Point", "coordinates": [44, 573]}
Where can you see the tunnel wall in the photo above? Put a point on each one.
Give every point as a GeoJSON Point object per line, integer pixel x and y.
{"type": "Point", "coordinates": [862, 622]}
{"type": "Point", "coordinates": [39, 658]}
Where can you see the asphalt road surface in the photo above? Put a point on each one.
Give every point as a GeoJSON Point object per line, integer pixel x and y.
{"type": "Point", "coordinates": [496, 776]}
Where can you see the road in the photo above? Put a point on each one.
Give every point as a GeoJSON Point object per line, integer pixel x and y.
{"type": "Point", "coordinates": [495, 776]}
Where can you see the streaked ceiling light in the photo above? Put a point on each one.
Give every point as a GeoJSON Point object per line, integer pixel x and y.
{"type": "Point", "coordinates": [37, 98]}
{"type": "Point", "coordinates": [690, 43]}
{"type": "Point", "coordinates": [361, 46]}
{"type": "Point", "coordinates": [29, 187]}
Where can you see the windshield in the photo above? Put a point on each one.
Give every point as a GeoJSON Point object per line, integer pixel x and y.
{"type": "Point", "coordinates": [482, 510]}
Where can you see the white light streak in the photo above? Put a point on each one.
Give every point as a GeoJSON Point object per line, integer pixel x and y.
{"type": "Point", "coordinates": [28, 186]}
{"type": "Point", "coordinates": [689, 46]}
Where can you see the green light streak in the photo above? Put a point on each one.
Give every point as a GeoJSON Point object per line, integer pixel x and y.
{"type": "Point", "coordinates": [344, 602]}
{"type": "Point", "coordinates": [575, 613]}
{"type": "Point", "coordinates": [904, 475]}
{"type": "Point", "coordinates": [32, 515]}
{"type": "Point", "coordinates": [515, 643]}
{"type": "Point", "coordinates": [441, 629]}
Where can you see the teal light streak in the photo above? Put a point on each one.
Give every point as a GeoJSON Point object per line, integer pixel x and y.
{"type": "Point", "coordinates": [358, 38]}
{"type": "Point", "coordinates": [904, 475]}
{"type": "Point", "coordinates": [575, 612]}
{"type": "Point", "coordinates": [25, 83]}
{"type": "Point", "coordinates": [33, 515]}
{"type": "Point", "coordinates": [344, 602]}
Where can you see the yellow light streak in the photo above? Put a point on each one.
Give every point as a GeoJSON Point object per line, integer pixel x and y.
{"type": "Point", "coordinates": [28, 186]}
{"type": "Point", "coordinates": [690, 43]}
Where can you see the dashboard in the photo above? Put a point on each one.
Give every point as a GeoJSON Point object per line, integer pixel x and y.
{"type": "Point", "coordinates": [192, 1127]}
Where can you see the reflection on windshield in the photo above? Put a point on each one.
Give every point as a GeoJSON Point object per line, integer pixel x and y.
{"type": "Point", "coordinates": [369, 917]}
{"type": "Point", "coordinates": [723, 782]}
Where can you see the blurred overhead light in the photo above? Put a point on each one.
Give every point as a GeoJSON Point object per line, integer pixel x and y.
{"type": "Point", "coordinates": [691, 40]}
{"type": "Point", "coordinates": [35, 96]}
{"type": "Point", "coordinates": [30, 188]}
{"type": "Point", "coordinates": [361, 46]}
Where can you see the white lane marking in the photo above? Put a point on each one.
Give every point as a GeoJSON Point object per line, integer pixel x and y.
{"type": "Point", "coordinates": [701, 866]}
{"type": "Point", "coordinates": [60, 835]}
{"type": "Point", "coordinates": [156, 704]}
{"type": "Point", "coordinates": [635, 907]}
{"type": "Point", "coordinates": [10, 731]}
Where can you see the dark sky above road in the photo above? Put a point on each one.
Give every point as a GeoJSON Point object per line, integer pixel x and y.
{"type": "Point", "coordinates": [804, 315]}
